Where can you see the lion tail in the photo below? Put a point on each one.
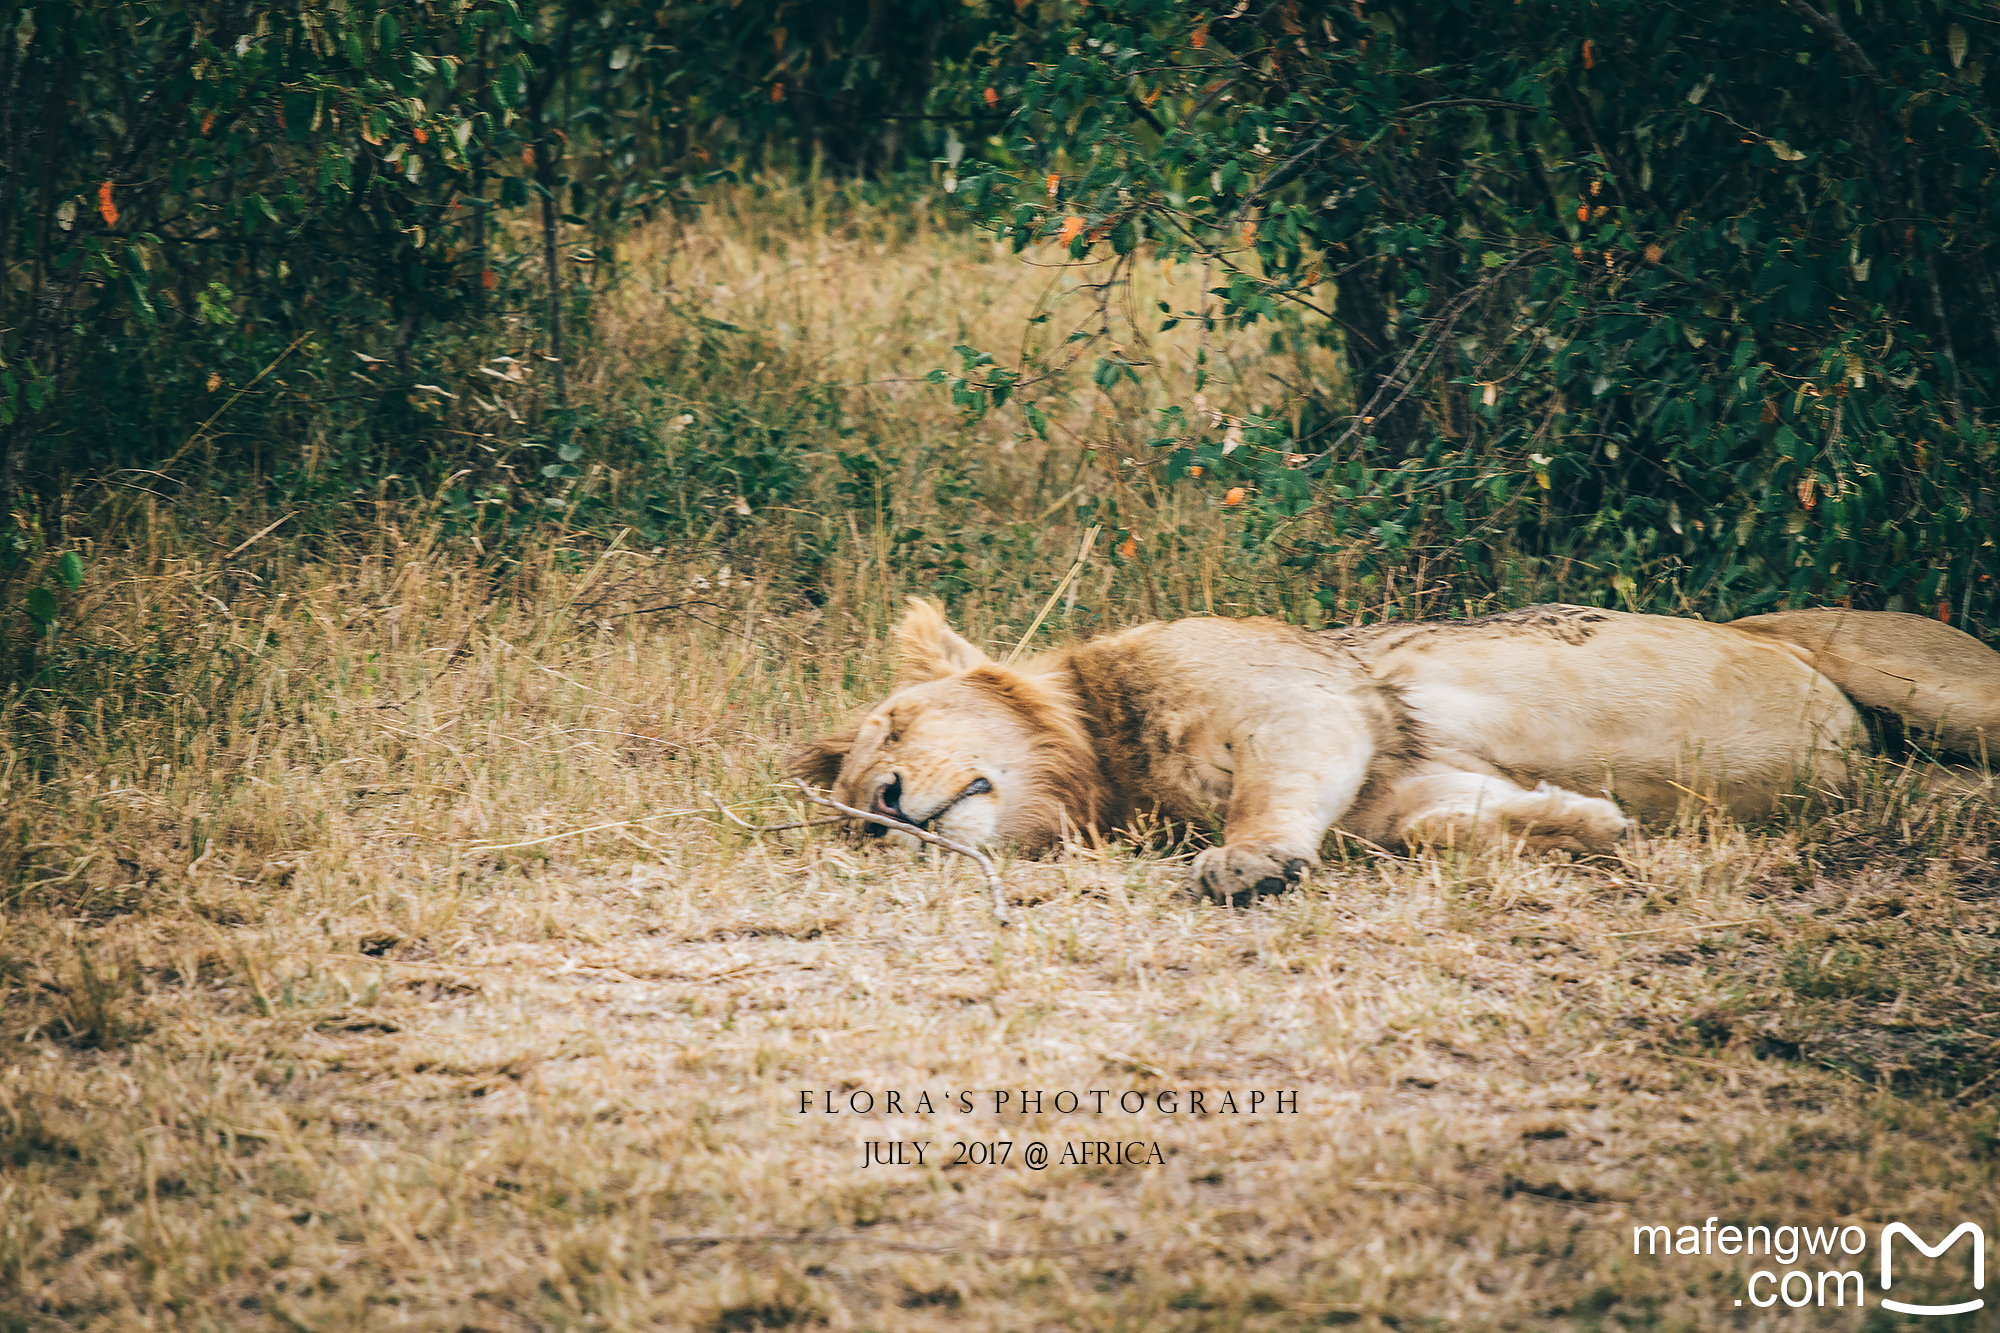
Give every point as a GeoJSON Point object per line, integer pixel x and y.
{"type": "Point", "coordinates": [1942, 683]}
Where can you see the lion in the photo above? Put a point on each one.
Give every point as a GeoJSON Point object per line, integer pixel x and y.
{"type": "Point", "coordinates": [1557, 728]}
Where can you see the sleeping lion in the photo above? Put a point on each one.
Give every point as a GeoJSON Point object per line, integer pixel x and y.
{"type": "Point", "coordinates": [1552, 726]}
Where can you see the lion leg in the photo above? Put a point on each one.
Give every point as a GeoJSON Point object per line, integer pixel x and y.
{"type": "Point", "coordinates": [1943, 683]}
{"type": "Point", "coordinates": [1293, 778]}
{"type": "Point", "coordinates": [1270, 839]}
{"type": "Point", "coordinates": [1453, 808]}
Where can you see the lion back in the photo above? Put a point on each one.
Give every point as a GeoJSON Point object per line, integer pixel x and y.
{"type": "Point", "coordinates": [1942, 683]}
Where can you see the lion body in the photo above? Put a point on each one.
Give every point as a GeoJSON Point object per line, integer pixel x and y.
{"type": "Point", "coordinates": [1553, 725]}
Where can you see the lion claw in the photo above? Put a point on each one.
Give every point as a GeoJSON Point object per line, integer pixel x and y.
{"type": "Point", "coordinates": [1239, 873]}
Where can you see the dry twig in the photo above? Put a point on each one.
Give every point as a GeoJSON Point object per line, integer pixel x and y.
{"type": "Point", "coordinates": [729, 815]}
{"type": "Point", "coordinates": [984, 861]}
{"type": "Point", "coordinates": [579, 832]}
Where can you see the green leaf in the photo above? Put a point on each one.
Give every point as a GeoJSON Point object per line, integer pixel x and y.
{"type": "Point", "coordinates": [142, 304]}
{"type": "Point", "coordinates": [70, 569]}
{"type": "Point", "coordinates": [299, 109]}
{"type": "Point", "coordinates": [42, 605]}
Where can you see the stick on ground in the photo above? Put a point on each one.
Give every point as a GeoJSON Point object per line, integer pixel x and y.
{"type": "Point", "coordinates": [984, 861]}
{"type": "Point", "coordinates": [735, 819]}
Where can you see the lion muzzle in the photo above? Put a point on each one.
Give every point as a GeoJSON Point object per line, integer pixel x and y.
{"type": "Point", "coordinates": [889, 801]}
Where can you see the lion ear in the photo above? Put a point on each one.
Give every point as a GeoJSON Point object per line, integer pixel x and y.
{"type": "Point", "coordinates": [817, 763]}
{"type": "Point", "coordinates": [930, 650]}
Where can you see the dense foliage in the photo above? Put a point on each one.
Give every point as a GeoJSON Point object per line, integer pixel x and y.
{"type": "Point", "coordinates": [1700, 297]}
{"type": "Point", "coordinates": [198, 194]}
{"type": "Point", "coordinates": [1700, 294]}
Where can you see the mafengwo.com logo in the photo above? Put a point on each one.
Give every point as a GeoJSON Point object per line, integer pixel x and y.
{"type": "Point", "coordinates": [1829, 1267]}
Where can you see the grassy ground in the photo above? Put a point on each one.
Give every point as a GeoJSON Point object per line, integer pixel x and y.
{"type": "Point", "coordinates": [370, 956]}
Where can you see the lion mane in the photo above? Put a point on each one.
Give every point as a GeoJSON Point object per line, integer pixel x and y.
{"type": "Point", "coordinates": [1060, 785]}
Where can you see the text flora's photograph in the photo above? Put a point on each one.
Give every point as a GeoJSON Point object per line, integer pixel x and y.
{"type": "Point", "coordinates": [1001, 664]}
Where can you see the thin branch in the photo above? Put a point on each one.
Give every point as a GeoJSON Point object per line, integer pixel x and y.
{"type": "Point", "coordinates": [984, 861]}
{"type": "Point", "coordinates": [1143, 112]}
{"type": "Point", "coordinates": [648, 610]}
{"type": "Point", "coordinates": [727, 814]}
{"type": "Point", "coordinates": [1434, 334]}
{"type": "Point", "coordinates": [579, 832]}
{"type": "Point", "coordinates": [1829, 26]}
{"type": "Point", "coordinates": [1281, 176]}
{"type": "Point", "coordinates": [201, 431]}
{"type": "Point", "coordinates": [1082, 555]}
{"type": "Point", "coordinates": [1442, 103]}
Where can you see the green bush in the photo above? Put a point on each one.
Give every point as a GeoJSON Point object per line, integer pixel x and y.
{"type": "Point", "coordinates": [1701, 298]}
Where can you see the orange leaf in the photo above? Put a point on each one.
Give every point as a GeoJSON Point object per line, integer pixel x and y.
{"type": "Point", "coordinates": [1054, 182]}
{"type": "Point", "coordinates": [420, 135]}
{"type": "Point", "coordinates": [488, 280]}
{"type": "Point", "coordinates": [1234, 496]}
{"type": "Point", "coordinates": [1249, 233]}
{"type": "Point", "coordinates": [528, 158]}
{"type": "Point", "coordinates": [1654, 253]}
{"type": "Point", "coordinates": [105, 208]}
{"type": "Point", "coordinates": [1070, 227]}
{"type": "Point", "coordinates": [1129, 547]}
{"type": "Point", "coordinates": [1808, 492]}
{"type": "Point", "coordinates": [1199, 37]}
{"type": "Point", "coordinates": [207, 121]}
{"type": "Point", "coordinates": [1195, 471]}
{"type": "Point", "coordinates": [1770, 412]}
{"type": "Point", "coordinates": [1154, 96]}
{"type": "Point", "coordinates": [777, 92]}
{"type": "Point", "coordinates": [1589, 56]}
{"type": "Point", "coordinates": [992, 97]}
{"type": "Point", "coordinates": [1583, 212]}
{"type": "Point", "coordinates": [1944, 612]}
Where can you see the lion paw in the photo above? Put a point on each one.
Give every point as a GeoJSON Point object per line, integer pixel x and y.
{"type": "Point", "coordinates": [1239, 872]}
{"type": "Point", "coordinates": [1577, 823]}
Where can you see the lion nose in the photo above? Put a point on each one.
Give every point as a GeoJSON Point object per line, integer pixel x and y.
{"type": "Point", "coordinates": [889, 801]}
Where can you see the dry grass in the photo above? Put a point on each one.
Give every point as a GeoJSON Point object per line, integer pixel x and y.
{"type": "Point", "coordinates": [367, 961]}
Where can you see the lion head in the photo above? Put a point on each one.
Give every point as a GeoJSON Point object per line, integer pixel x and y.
{"type": "Point", "coordinates": [965, 747]}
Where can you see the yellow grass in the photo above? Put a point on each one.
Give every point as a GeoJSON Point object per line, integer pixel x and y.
{"type": "Point", "coordinates": [369, 958]}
